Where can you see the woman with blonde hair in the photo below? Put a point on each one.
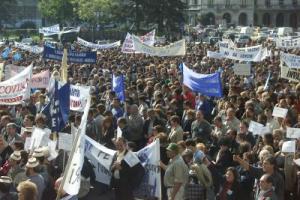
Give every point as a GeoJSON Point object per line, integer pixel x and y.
{"type": "Point", "coordinates": [27, 191]}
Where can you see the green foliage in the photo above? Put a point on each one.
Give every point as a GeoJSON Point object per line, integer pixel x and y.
{"type": "Point", "coordinates": [5, 9]}
{"type": "Point", "coordinates": [60, 11]}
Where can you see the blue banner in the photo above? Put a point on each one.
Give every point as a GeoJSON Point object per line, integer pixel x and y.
{"type": "Point", "coordinates": [58, 108]}
{"type": "Point", "coordinates": [118, 87]}
{"type": "Point", "coordinates": [73, 57]}
{"type": "Point", "coordinates": [207, 84]}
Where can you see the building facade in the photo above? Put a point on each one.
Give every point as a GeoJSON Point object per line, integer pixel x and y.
{"type": "Point", "coordinates": [269, 13]}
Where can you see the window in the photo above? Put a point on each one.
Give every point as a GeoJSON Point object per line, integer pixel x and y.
{"type": "Point", "coordinates": [281, 2]}
{"type": "Point", "coordinates": [267, 3]}
{"type": "Point", "coordinates": [227, 4]}
{"type": "Point", "coordinates": [195, 2]}
{"type": "Point", "coordinates": [243, 3]}
{"type": "Point", "coordinates": [210, 3]}
{"type": "Point", "coordinates": [295, 2]}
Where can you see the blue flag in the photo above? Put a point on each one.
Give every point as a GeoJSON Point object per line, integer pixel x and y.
{"type": "Point", "coordinates": [58, 108]}
{"type": "Point", "coordinates": [17, 56]}
{"type": "Point", "coordinates": [6, 53]}
{"type": "Point", "coordinates": [207, 84]}
{"type": "Point", "coordinates": [118, 87]}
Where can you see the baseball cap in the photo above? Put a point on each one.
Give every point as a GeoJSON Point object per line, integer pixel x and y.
{"type": "Point", "coordinates": [173, 147]}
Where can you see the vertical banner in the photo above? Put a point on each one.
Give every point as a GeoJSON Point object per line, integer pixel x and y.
{"type": "Point", "coordinates": [64, 66]}
{"type": "Point", "coordinates": [72, 175]}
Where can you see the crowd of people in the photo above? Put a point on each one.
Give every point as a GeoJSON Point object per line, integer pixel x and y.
{"type": "Point", "coordinates": [207, 151]}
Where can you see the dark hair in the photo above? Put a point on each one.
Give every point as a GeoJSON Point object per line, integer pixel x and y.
{"type": "Point", "coordinates": [268, 139]}
{"type": "Point", "coordinates": [175, 118]}
{"type": "Point", "coordinates": [269, 179]}
{"type": "Point", "coordinates": [245, 123]}
{"type": "Point", "coordinates": [190, 142]}
{"type": "Point", "coordinates": [234, 172]}
{"type": "Point", "coordinates": [272, 161]}
{"type": "Point", "coordinates": [122, 120]}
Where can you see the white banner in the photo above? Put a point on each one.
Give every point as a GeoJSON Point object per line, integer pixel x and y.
{"type": "Point", "coordinates": [16, 89]}
{"type": "Point", "coordinates": [128, 46]}
{"type": "Point", "coordinates": [98, 46]}
{"type": "Point", "coordinates": [51, 30]}
{"type": "Point", "coordinates": [279, 112]}
{"type": "Point", "coordinates": [214, 54]}
{"type": "Point", "coordinates": [101, 158]}
{"type": "Point", "coordinates": [288, 42]}
{"type": "Point", "coordinates": [292, 61]}
{"type": "Point", "coordinates": [242, 69]}
{"type": "Point", "coordinates": [31, 49]}
{"type": "Point", "coordinates": [289, 147]}
{"type": "Point", "coordinates": [40, 80]}
{"type": "Point", "coordinates": [78, 97]}
{"type": "Point", "coordinates": [174, 49]}
{"type": "Point", "coordinates": [290, 74]}
{"type": "Point", "coordinates": [12, 70]}
{"type": "Point", "coordinates": [249, 55]}
{"type": "Point", "coordinates": [65, 141]}
{"type": "Point", "coordinates": [151, 184]}
{"type": "Point", "coordinates": [72, 175]}
{"type": "Point", "coordinates": [39, 137]}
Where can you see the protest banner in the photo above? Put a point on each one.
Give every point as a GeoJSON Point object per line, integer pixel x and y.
{"type": "Point", "coordinates": [214, 54]}
{"type": "Point", "coordinates": [78, 97]}
{"type": "Point", "coordinates": [207, 84]}
{"type": "Point", "coordinates": [16, 89]}
{"type": "Point", "coordinates": [288, 42]}
{"type": "Point", "coordinates": [39, 137]}
{"type": "Point", "coordinates": [289, 73]}
{"type": "Point", "coordinates": [40, 80]}
{"type": "Point", "coordinates": [98, 46]}
{"type": "Point", "coordinates": [51, 30]}
{"type": "Point", "coordinates": [242, 69]}
{"type": "Point", "coordinates": [293, 133]}
{"type": "Point", "coordinates": [289, 147]}
{"type": "Point", "coordinates": [65, 141]}
{"type": "Point", "coordinates": [12, 70]}
{"type": "Point", "coordinates": [128, 46]}
{"type": "Point", "coordinates": [31, 49]}
{"type": "Point", "coordinates": [175, 49]}
{"type": "Point", "coordinates": [73, 57]}
{"type": "Point", "coordinates": [247, 56]}
{"type": "Point", "coordinates": [101, 158]}
{"type": "Point", "coordinates": [149, 157]}
{"type": "Point", "coordinates": [279, 112]}
{"type": "Point", "coordinates": [291, 61]}
{"type": "Point", "coordinates": [258, 129]}
{"type": "Point", "coordinates": [72, 175]}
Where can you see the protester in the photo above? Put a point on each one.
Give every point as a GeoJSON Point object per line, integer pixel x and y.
{"type": "Point", "coordinates": [209, 119]}
{"type": "Point", "coordinates": [27, 191]}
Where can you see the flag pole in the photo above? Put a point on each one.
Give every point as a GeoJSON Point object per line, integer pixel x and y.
{"type": "Point", "coordinates": [76, 140]}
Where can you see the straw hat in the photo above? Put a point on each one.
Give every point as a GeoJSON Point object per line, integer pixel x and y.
{"type": "Point", "coordinates": [5, 179]}
{"type": "Point", "coordinates": [32, 162]}
{"type": "Point", "coordinates": [16, 155]}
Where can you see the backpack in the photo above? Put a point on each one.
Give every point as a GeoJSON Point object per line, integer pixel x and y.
{"type": "Point", "coordinates": [194, 190]}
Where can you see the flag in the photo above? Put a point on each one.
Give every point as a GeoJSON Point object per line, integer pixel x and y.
{"type": "Point", "coordinates": [118, 87]}
{"type": "Point", "coordinates": [17, 56]}
{"type": "Point", "coordinates": [150, 186]}
{"type": "Point", "coordinates": [206, 84]}
{"type": "Point", "coordinates": [72, 175]}
{"type": "Point", "coordinates": [64, 66]}
{"type": "Point", "coordinates": [59, 107]}
{"type": "Point", "coordinates": [6, 53]}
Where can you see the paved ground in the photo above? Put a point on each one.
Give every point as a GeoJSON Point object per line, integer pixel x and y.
{"type": "Point", "coordinates": [93, 195]}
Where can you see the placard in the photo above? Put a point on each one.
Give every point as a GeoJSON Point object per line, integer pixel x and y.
{"type": "Point", "coordinates": [293, 133]}
{"type": "Point", "coordinates": [242, 69]}
{"type": "Point", "coordinates": [279, 112]}
{"type": "Point", "coordinates": [289, 147]}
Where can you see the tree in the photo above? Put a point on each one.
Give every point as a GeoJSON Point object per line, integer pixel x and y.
{"type": "Point", "coordinates": [59, 11]}
{"type": "Point", "coordinates": [167, 14]}
{"type": "Point", "coordinates": [94, 11]}
{"type": "Point", "coordinates": [5, 10]}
